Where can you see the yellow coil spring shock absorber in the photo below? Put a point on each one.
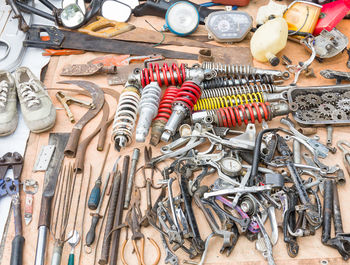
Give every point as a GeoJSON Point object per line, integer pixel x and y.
{"type": "Point", "coordinates": [228, 101]}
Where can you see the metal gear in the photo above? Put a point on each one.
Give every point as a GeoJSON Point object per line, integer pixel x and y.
{"type": "Point", "coordinates": [330, 97]}
{"type": "Point", "coordinates": [346, 94]}
{"type": "Point", "coordinates": [339, 115]}
{"type": "Point", "coordinates": [326, 110]}
{"type": "Point", "coordinates": [301, 101]}
{"type": "Point", "coordinates": [344, 104]}
{"type": "Point", "coordinates": [313, 100]}
{"type": "Point", "coordinates": [309, 115]}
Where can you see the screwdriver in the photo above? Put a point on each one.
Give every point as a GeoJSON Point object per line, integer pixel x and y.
{"type": "Point", "coordinates": [95, 195]}
{"type": "Point", "coordinates": [90, 236]}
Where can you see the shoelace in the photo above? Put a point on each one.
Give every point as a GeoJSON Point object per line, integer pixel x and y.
{"type": "Point", "coordinates": [28, 92]}
{"type": "Point", "coordinates": [4, 89]}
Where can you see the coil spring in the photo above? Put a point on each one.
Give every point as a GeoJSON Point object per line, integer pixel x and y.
{"type": "Point", "coordinates": [169, 75]}
{"type": "Point", "coordinates": [237, 90]}
{"type": "Point", "coordinates": [188, 94]}
{"type": "Point", "coordinates": [236, 116]}
{"type": "Point", "coordinates": [228, 101]}
{"type": "Point", "coordinates": [165, 104]}
{"type": "Point", "coordinates": [229, 69]}
{"type": "Point", "coordinates": [238, 80]}
{"type": "Point", "coordinates": [126, 113]}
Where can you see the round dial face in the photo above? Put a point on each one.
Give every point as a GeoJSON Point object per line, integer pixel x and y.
{"type": "Point", "coordinates": [228, 25]}
{"type": "Point", "coordinates": [231, 166]}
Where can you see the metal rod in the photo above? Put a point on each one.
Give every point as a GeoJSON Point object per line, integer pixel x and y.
{"type": "Point", "coordinates": [134, 160]}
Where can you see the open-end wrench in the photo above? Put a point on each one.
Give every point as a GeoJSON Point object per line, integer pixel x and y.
{"type": "Point", "coordinates": [170, 257]}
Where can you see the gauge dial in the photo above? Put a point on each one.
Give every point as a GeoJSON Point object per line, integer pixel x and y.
{"type": "Point", "coordinates": [231, 166]}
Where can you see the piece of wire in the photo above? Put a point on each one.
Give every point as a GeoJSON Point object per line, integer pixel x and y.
{"type": "Point", "coordinates": [163, 35]}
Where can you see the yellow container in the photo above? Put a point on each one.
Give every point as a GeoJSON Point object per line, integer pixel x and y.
{"type": "Point", "coordinates": [302, 16]}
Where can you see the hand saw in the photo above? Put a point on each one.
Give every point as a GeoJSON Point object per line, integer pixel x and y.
{"type": "Point", "coordinates": [63, 39]}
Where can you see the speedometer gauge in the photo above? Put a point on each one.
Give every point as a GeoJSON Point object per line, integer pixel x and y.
{"type": "Point", "coordinates": [228, 26]}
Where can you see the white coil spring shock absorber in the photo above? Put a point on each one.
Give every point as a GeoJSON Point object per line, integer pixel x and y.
{"type": "Point", "coordinates": [125, 116]}
{"type": "Point", "coordinates": [148, 110]}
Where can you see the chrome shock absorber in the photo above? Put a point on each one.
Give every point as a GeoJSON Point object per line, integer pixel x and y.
{"type": "Point", "coordinates": [148, 109]}
{"type": "Point", "coordinates": [125, 116]}
{"type": "Point", "coordinates": [237, 90]}
{"type": "Point", "coordinates": [232, 69]}
{"type": "Point", "coordinates": [238, 80]}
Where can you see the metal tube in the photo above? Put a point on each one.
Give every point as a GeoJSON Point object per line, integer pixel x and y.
{"type": "Point", "coordinates": [134, 160]}
{"type": "Point", "coordinates": [327, 210]}
{"type": "Point", "coordinates": [41, 245]}
{"type": "Point", "coordinates": [338, 224]}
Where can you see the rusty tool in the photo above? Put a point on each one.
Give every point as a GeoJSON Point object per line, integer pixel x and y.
{"type": "Point", "coordinates": [119, 211]}
{"type": "Point", "coordinates": [66, 100]}
{"type": "Point", "coordinates": [59, 140]}
{"type": "Point", "coordinates": [98, 101]}
{"type": "Point", "coordinates": [87, 69]}
{"type": "Point", "coordinates": [30, 187]}
{"type": "Point", "coordinates": [106, 28]}
{"type": "Point", "coordinates": [110, 216]}
{"type": "Point", "coordinates": [122, 60]}
{"type": "Point", "coordinates": [134, 220]}
{"type": "Point", "coordinates": [54, 52]}
{"type": "Point", "coordinates": [14, 161]}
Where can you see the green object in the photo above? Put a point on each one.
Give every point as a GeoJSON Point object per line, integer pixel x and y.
{"type": "Point", "coordinates": [71, 259]}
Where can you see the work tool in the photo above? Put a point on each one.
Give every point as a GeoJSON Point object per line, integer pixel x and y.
{"type": "Point", "coordinates": [14, 161]}
{"type": "Point", "coordinates": [87, 69]}
{"type": "Point", "coordinates": [74, 40]}
{"type": "Point", "coordinates": [344, 146]}
{"type": "Point", "coordinates": [94, 199]}
{"type": "Point", "coordinates": [66, 100]}
{"type": "Point", "coordinates": [119, 211]}
{"type": "Point", "coordinates": [134, 159]}
{"type": "Point", "coordinates": [30, 187]}
{"type": "Point", "coordinates": [90, 236]}
{"type": "Point", "coordinates": [59, 140]}
{"type": "Point", "coordinates": [55, 52]}
{"type": "Point", "coordinates": [43, 160]}
{"type": "Point", "coordinates": [73, 241]}
{"type": "Point", "coordinates": [133, 221]}
{"type": "Point", "coordinates": [62, 208]}
{"type": "Point", "coordinates": [97, 100]}
{"type": "Point", "coordinates": [111, 214]}
{"type": "Point", "coordinates": [105, 28]}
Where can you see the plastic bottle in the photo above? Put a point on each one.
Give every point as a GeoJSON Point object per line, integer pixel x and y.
{"type": "Point", "coordinates": [268, 40]}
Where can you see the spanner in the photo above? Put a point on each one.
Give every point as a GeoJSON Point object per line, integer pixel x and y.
{"type": "Point", "coordinates": [170, 257]}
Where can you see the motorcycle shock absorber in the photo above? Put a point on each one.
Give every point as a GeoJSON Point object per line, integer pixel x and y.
{"type": "Point", "coordinates": [125, 116]}
{"type": "Point", "coordinates": [148, 110]}
{"type": "Point", "coordinates": [237, 90]}
{"type": "Point", "coordinates": [242, 114]}
{"type": "Point", "coordinates": [164, 113]}
{"type": "Point", "coordinates": [235, 100]}
{"type": "Point", "coordinates": [238, 80]}
{"type": "Point", "coordinates": [167, 75]}
{"type": "Point", "coordinates": [231, 69]}
{"type": "Point", "coordinates": [182, 106]}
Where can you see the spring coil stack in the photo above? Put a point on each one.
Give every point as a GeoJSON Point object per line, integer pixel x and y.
{"type": "Point", "coordinates": [125, 117]}
{"type": "Point", "coordinates": [238, 80]}
{"type": "Point", "coordinates": [229, 69]}
{"type": "Point", "coordinates": [166, 75]}
{"type": "Point", "coordinates": [237, 90]}
{"type": "Point", "coordinates": [228, 101]}
{"type": "Point", "coordinates": [236, 116]}
{"type": "Point", "coordinates": [188, 95]}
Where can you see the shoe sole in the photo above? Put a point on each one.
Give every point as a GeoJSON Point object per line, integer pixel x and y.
{"type": "Point", "coordinates": [45, 129]}
{"type": "Point", "coordinates": [8, 133]}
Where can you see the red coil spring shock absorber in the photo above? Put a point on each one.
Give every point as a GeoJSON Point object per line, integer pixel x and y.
{"type": "Point", "coordinates": [164, 112]}
{"type": "Point", "coordinates": [183, 105]}
{"type": "Point", "coordinates": [236, 116]}
{"type": "Point", "coordinates": [173, 75]}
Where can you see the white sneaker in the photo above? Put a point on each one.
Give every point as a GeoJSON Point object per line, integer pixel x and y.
{"type": "Point", "coordinates": [8, 104]}
{"type": "Point", "coordinates": [38, 111]}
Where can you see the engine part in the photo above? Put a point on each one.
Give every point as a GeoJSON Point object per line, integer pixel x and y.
{"type": "Point", "coordinates": [313, 100]}
{"type": "Point", "coordinates": [228, 26]}
{"type": "Point", "coordinates": [275, 180]}
{"type": "Point", "coordinates": [330, 43]}
{"type": "Point", "coordinates": [239, 90]}
{"type": "Point", "coordinates": [238, 80]}
{"type": "Point", "coordinates": [233, 69]}
{"type": "Point", "coordinates": [337, 75]}
{"type": "Point", "coordinates": [166, 75]}
{"type": "Point", "coordinates": [125, 116]}
{"type": "Point", "coordinates": [235, 100]}
{"type": "Point", "coordinates": [329, 111]}
{"type": "Point", "coordinates": [182, 106]}
{"type": "Point", "coordinates": [164, 113]}
{"type": "Point", "coordinates": [309, 115]}
{"type": "Point", "coordinates": [344, 104]}
{"type": "Point", "coordinates": [181, 18]}
{"type": "Point", "coordinates": [242, 114]}
{"type": "Point", "coordinates": [148, 108]}
{"type": "Point", "coordinates": [229, 101]}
